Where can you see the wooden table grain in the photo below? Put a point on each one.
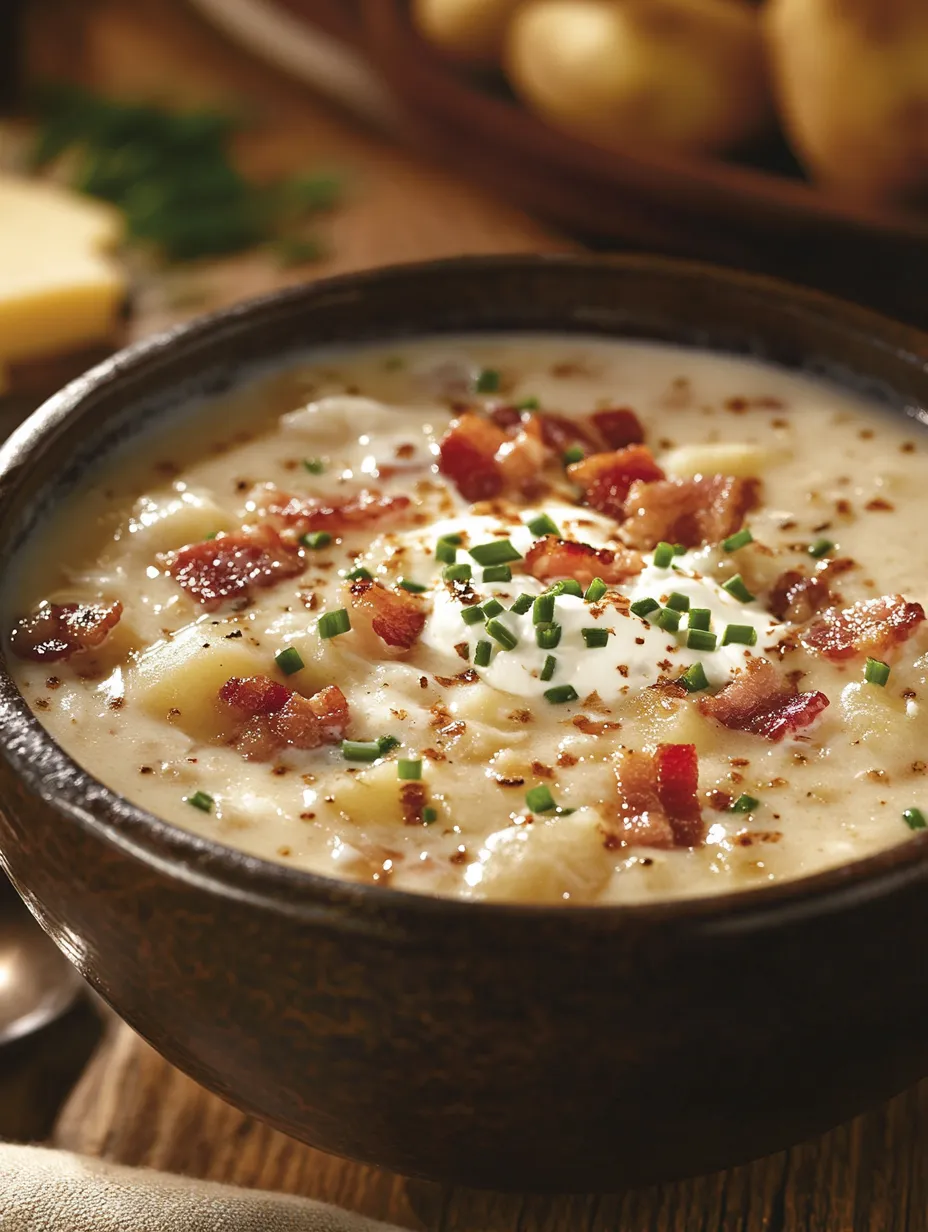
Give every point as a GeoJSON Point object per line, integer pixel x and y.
{"type": "Point", "coordinates": [130, 1105]}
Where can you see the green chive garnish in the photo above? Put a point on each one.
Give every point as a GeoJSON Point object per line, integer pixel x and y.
{"type": "Point", "coordinates": [331, 624]}
{"type": "Point", "coordinates": [644, 607]}
{"type": "Point", "coordinates": [737, 589]}
{"type": "Point", "coordinates": [540, 800]}
{"type": "Point", "coordinates": [487, 381]}
{"type": "Point", "coordinates": [680, 549]}
{"type": "Point", "coordinates": [457, 573]}
{"type": "Point", "coordinates": [497, 573]}
{"type": "Point", "coordinates": [745, 804]}
{"type": "Point", "coordinates": [679, 603]}
{"type": "Point", "coordinates": [738, 540]}
{"type": "Point", "coordinates": [561, 693]}
{"type": "Point", "coordinates": [663, 555]}
{"type": "Point", "coordinates": [482, 653]}
{"type": "Point", "coordinates": [701, 639]}
{"type": "Point", "coordinates": [315, 466]}
{"type": "Point", "coordinates": [543, 525]}
{"type": "Point", "coordinates": [595, 591]}
{"type": "Point", "coordinates": [429, 815]}
{"type": "Point", "coordinates": [316, 539]}
{"type": "Point", "coordinates": [699, 618]}
{"type": "Point", "coordinates": [694, 678]}
{"type": "Point", "coordinates": [528, 404]}
{"type": "Point", "coordinates": [595, 638]}
{"type": "Point", "coordinates": [914, 818]}
{"type": "Point", "coordinates": [361, 750]}
{"type": "Point", "coordinates": [472, 616]}
{"type": "Point", "coordinates": [454, 539]}
{"type": "Point", "coordinates": [668, 619]}
{"type": "Point", "coordinates": [547, 636]}
{"type": "Point", "coordinates": [414, 588]}
{"type": "Point", "coordinates": [499, 552]}
{"type": "Point", "coordinates": [409, 768]}
{"type": "Point", "coordinates": [821, 547]}
{"type": "Point", "coordinates": [498, 631]}
{"type": "Point", "coordinates": [543, 610]}
{"type": "Point", "coordinates": [492, 607]}
{"type": "Point", "coordinates": [742, 635]}
{"type": "Point", "coordinates": [573, 454]}
{"type": "Point", "coordinates": [446, 552]}
{"type": "Point", "coordinates": [522, 604]}
{"type": "Point", "coordinates": [876, 671]}
{"type": "Point", "coordinates": [201, 800]}
{"type": "Point", "coordinates": [549, 667]}
{"type": "Point", "coordinates": [387, 744]}
{"type": "Point", "coordinates": [359, 574]}
{"type": "Point", "coordinates": [566, 586]}
{"type": "Point", "coordinates": [289, 661]}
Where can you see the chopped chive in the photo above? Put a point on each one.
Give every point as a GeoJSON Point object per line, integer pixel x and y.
{"type": "Point", "coordinates": [547, 636]}
{"type": "Point", "coordinates": [738, 540]}
{"type": "Point", "coordinates": [737, 589]}
{"type": "Point", "coordinates": [482, 653]}
{"type": "Point", "coordinates": [487, 381]}
{"type": "Point", "coordinates": [694, 678]}
{"type": "Point", "coordinates": [700, 639]}
{"type": "Point", "coordinates": [315, 466]}
{"type": "Point", "coordinates": [457, 573]}
{"type": "Point", "coordinates": [498, 631]}
{"type": "Point", "coordinates": [498, 552]}
{"type": "Point", "coordinates": [492, 607]}
{"type": "Point", "coordinates": [566, 586]}
{"type": "Point", "coordinates": [573, 454]}
{"type": "Point", "coordinates": [409, 768]}
{"type": "Point", "coordinates": [821, 547]}
{"type": "Point", "coordinates": [680, 549]}
{"type": "Point", "coordinates": [429, 815]}
{"type": "Point", "coordinates": [745, 804]}
{"type": "Point", "coordinates": [522, 604]}
{"type": "Point", "coordinates": [289, 661]}
{"type": "Point", "coordinates": [679, 603]}
{"type": "Point", "coordinates": [595, 591]}
{"type": "Point", "coordinates": [549, 667]}
{"type": "Point", "coordinates": [595, 638]}
{"type": "Point", "coordinates": [316, 539]}
{"type": "Point", "coordinates": [387, 744]}
{"type": "Point", "coordinates": [699, 618]}
{"type": "Point", "coordinates": [528, 404]}
{"type": "Point", "coordinates": [359, 574]}
{"type": "Point", "coordinates": [543, 525]}
{"type": "Point", "coordinates": [644, 607]}
{"type": "Point", "coordinates": [203, 801]}
{"type": "Point", "coordinates": [361, 750]}
{"type": "Point", "coordinates": [497, 573]}
{"type": "Point", "coordinates": [543, 610]}
{"type": "Point", "coordinates": [414, 588]}
{"type": "Point", "coordinates": [914, 818]}
{"type": "Point", "coordinates": [331, 624]}
{"type": "Point", "coordinates": [212, 535]}
{"type": "Point", "coordinates": [540, 800]}
{"type": "Point", "coordinates": [876, 671]}
{"type": "Point", "coordinates": [742, 635]}
{"type": "Point", "coordinates": [561, 693]}
{"type": "Point", "coordinates": [663, 555]}
{"type": "Point", "coordinates": [472, 615]}
{"type": "Point", "coordinates": [453, 538]}
{"type": "Point", "coordinates": [668, 619]}
{"type": "Point", "coordinates": [446, 552]}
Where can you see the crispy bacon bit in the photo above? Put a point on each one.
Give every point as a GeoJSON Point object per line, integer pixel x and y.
{"type": "Point", "coordinates": [519, 460]}
{"type": "Point", "coordinates": [467, 455]}
{"type": "Point", "coordinates": [395, 616]}
{"type": "Point", "coordinates": [230, 566]}
{"type": "Point", "coordinates": [796, 597]}
{"type": "Point", "coordinates": [658, 796]}
{"type": "Point", "coordinates": [607, 478]}
{"type": "Point", "coordinates": [689, 511]}
{"type": "Point", "coordinates": [761, 701]}
{"type": "Point", "coordinates": [619, 427]}
{"type": "Point", "coordinates": [562, 558]}
{"type": "Point", "coordinates": [872, 626]}
{"type": "Point", "coordinates": [276, 716]}
{"type": "Point", "coordinates": [56, 631]}
{"type": "Point", "coordinates": [469, 676]}
{"type": "Point", "coordinates": [559, 433]}
{"type": "Point", "coordinates": [300, 514]}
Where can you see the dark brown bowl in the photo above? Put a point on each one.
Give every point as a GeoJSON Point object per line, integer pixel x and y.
{"type": "Point", "coordinates": [506, 1046]}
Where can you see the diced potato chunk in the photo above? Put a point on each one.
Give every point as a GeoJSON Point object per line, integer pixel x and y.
{"type": "Point", "coordinates": [374, 796]}
{"type": "Point", "coordinates": [723, 459]}
{"type": "Point", "coordinates": [661, 719]}
{"type": "Point", "coordinates": [879, 724]}
{"type": "Point", "coordinates": [331, 420]}
{"type": "Point", "coordinates": [169, 520]}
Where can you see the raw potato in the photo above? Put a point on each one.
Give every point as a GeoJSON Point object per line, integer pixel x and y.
{"type": "Point", "coordinates": [685, 75]}
{"type": "Point", "coordinates": [467, 29]}
{"type": "Point", "coordinates": [852, 82]}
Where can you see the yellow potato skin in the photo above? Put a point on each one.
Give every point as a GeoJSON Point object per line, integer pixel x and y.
{"type": "Point", "coordinates": [681, 75]}
{"type": "Point", "coordinates": [851, 77]}
{"type": "Point", "coordinates": [470, 30]}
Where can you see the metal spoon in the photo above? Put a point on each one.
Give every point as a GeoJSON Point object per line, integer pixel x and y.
{"type": "Point", "coordinates": [37, 983]}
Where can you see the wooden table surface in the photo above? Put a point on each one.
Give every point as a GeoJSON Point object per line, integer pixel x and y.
{"type": "Point", "coordinates": [131, 1106]}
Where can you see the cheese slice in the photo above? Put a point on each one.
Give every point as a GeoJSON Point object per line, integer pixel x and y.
{"type": "Point", "coordinates": [60, 289]}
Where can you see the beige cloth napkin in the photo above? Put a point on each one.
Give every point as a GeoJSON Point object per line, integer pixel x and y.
{"type": "Point", "coordinates": [55, 1191]}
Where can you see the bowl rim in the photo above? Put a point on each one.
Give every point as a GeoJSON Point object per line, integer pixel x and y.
{"type": "Point", "coordinates": [183, 855]}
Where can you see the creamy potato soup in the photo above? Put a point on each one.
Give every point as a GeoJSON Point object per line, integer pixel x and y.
{"type": "Point", "coordinates": [535, 619]}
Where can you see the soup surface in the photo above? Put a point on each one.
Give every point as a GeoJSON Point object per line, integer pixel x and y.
{"type": "Point", "coordinates": [534, 619]}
